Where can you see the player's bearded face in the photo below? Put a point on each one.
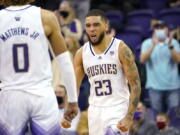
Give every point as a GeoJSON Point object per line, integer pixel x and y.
{"type": "Point", "coordinates": [95, 43]}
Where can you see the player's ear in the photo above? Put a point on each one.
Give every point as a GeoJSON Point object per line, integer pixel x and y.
{"type": "Point", "coordinates": [106, 27]}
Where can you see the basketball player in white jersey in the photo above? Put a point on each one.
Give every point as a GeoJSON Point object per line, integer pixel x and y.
{"type": "Point", "coordinates": [110, 67]}
{"type": "Point", "coordinates": [26, 94]}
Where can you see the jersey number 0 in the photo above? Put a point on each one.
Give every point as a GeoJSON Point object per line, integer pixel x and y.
{"type": "Point", "coordinates": [20, 59]}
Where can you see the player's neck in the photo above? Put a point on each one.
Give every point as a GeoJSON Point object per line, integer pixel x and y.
{"type": "Point", "coordinates": [103, 45]}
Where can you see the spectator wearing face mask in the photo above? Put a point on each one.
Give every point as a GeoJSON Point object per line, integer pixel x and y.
{"type": "Point", "coordinates": [61, 96]}
{"type": "Point", "coordinates": [141, 124]}
{"type": "Point", "coordinates": [70, 25]}
{"type": "Point", "coordinates": [161, 55]}
{"type": "Point", "coordinates": [162, 121]}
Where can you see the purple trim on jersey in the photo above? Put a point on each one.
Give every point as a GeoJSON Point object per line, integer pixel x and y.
{"type": "Point", "coordinates": [105, 51]}
{"type": "Point", "coordinates": [91, 49]}
{"type": "Point", "coordinates": [110, 131]}
{"type": "Point", "coordinates": [23, 131]}
{"type": "Point", "coordinates": [37, 130]}
{"type": "Point", "coordinates": [109, 46]}
{"type": "Point", "coordinates": [4, 130]}
{"type": "Point", "coordinates": [18, 9]}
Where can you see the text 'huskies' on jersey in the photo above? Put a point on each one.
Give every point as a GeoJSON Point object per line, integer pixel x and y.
{"type": "Point", "coordinates": [102, 69]}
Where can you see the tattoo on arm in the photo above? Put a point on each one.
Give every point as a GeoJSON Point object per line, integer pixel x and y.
{"type": "Point", "coordinates": [132, 75]}
{"type": "Point", "coordinates": [135, 101]}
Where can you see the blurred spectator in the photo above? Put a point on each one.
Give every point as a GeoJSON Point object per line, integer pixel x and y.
{"type": "Point", "coordinates": [161, 55]}
{"type": "Point", "coordinates": [162, 121]}
{"type": "Point", "coordinates": [174, 3]}
{"type": "Point", "coordinates": [81, 8]}
{"type": "Point", "coordinates": [149, 114]}
{"type": "Point", "coordinates": [70, 25]}
{"type": "Point", "coordinates": [141, 125]}
{"type": "Point", "coordinates": [62, 102]}
{"type": "Point", "coordinates": [174, 116]}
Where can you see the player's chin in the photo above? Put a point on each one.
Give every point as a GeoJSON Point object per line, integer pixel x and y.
{"type": "Point", "coordinates": [94, 43]}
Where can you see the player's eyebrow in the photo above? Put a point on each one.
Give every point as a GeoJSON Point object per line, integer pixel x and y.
{"type": "Point", "coordinates": [94, 24]}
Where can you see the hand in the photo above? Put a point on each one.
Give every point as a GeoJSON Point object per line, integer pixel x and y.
{"type": "Point", "coordinates": [65, 123]}
{"type": "Point", "coordinates": [171, 34]}
{"type": "Point", "coordinates": [155, 39]}
{"type": "Point", "coordinates": [71, 111]}
{"type": "Point", "coordinates": [124, 124]}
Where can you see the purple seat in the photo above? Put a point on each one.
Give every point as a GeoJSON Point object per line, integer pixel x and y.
{"type": "Point", "coordinates": [171, 16]}
{"type": "Point", "coordinates": [133, 37]}
{"type": "Point", "coordinates": [156, 5]}
{"type": "Point", "coordinates": [115, 18]}
{"type": "Point", "coordinates": [141, 18]}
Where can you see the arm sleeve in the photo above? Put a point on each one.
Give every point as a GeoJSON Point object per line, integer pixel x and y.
{"type": "Point", "coordinates": [68, 75]}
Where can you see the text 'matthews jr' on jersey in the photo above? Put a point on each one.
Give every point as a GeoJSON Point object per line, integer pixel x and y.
{"type": "Point", "coordinates": [24, 58]}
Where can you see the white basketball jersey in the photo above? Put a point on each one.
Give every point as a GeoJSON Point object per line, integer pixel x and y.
{"type": "Point", "coordinates": [108, 82]}
{"type": "Point", "coordinates": [24, 58]}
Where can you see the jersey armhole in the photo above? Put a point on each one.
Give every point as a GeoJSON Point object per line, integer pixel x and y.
{"type": "Point", "coordinates": [117, 52]}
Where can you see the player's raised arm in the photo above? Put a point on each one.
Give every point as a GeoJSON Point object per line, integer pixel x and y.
{"type": "Point", "coordinates": [53, 32]}
{"type": "Point", "coordinates": [130, 70]}
{"type": "Point", "coordinates": [79, 70]}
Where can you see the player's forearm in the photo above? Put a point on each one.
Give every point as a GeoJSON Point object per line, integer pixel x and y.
{"type": "Point", "coordinates": [79, 78]}
{"type": "Point", "coordinates": [134, 97]}
{"type": "Point", "coordinates": [131, 73]}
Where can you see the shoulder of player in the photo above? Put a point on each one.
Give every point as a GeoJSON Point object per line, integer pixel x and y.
{"type": "Point", "coordinates": [78, 61]}
{"type": "Point", "coordinates": [79, 52]}
{"type": "Point", "coordinates": [124, 52]}
{"type": "Point", "coordinates": [48, 16]}
{"type": "Point", "coordinates": [122, 47]}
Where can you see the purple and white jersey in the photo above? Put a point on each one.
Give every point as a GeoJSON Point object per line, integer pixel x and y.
{"type": "Point", "coordinates": [24, 58]}
{"type": "Point", "coordinates": [108, 82]}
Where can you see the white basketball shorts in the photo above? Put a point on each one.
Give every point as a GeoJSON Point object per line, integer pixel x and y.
{"type": "Point", "coordinates": [18, 108]}
{"type": "Point", "coordinates": [101, 118]}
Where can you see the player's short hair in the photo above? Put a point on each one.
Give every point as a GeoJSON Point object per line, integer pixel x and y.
{"type": "Point", "coordinates": [97, 12]}
{"type": "Point", "coordinates": [15, 2]}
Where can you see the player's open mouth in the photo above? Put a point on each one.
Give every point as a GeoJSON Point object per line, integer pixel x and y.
{"type": "Point", "coordinates": [93, 37]}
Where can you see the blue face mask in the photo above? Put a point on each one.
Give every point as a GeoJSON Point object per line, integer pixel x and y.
{"type": "Point", "coordinates": [161, 34]}
{"type": "Point", "coordinates": [138, 115]}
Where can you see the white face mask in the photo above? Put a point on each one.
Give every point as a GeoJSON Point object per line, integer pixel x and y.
{"type": "Point", "coordinates": [161, 34]}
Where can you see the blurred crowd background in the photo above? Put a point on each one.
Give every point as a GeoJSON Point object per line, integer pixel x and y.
{"type": "Point", "coordinates": [132, 21]}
